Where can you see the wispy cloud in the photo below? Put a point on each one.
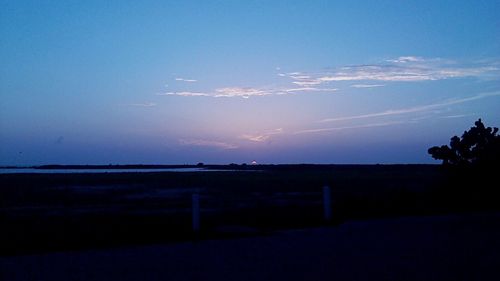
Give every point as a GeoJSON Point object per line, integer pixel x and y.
{"type": "Point", "coordinates": [303, 80]}
{"type": "Point", "coordinates": [406, 59]}
{"type": "Point", "coordinates": [146, 104]}
{"type": "Point", "coordinates": [185, 79]}
{"type": "Point", "coordinates": [402, 69]}
{"type": "Point", "coordinates": [415, 108]}
{"type": "Point", "coordinates": [244, 92]}
{"type": "Point", "coordinates": [263, 136]}
{"type": "Point", "coordinates": [330, 129]}
{"type": "Point", "coordinates": [367, 85]}
{"type": "Point", "coordinates": [247, 92]}
{"type": "Point", "coordinates": [424, 108]}
{"type": "Point", "coordinates": [255, 138]}
{"type": "Point", "coordinates": [457, 116]}
{"type": "Point", "coordinates": [207, 143]}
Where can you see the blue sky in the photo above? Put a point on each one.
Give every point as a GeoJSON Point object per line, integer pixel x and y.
{"type": "Point", "coordinates": [168, 82]}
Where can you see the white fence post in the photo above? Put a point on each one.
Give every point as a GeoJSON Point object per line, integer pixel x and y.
{"type": "Point", "coordinates": [327, 203]}
{"type": "Point", "coordinates": [196, 212]}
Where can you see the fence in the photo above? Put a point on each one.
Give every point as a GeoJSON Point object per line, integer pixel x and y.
{"type": "Point", "coordinates": [197, 210]}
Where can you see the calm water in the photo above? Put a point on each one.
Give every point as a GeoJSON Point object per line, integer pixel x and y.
{"type": "Point", "coordinates": [79, 171]}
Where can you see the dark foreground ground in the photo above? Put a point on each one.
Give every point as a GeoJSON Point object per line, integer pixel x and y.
{"type": "Point", "coordinates": [43, 213]}
{"type": "Point", "coordinates": [451, 247]}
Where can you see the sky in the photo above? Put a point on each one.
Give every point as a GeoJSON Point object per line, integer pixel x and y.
{"type": "Point", "coordinates": [182, 82]}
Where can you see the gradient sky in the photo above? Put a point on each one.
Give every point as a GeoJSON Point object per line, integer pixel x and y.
{"type": "Point", "coordinates": [173, 82]}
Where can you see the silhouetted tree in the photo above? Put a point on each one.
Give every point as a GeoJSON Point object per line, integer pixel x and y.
{"type": "Point", "coordinates": [480, 146]}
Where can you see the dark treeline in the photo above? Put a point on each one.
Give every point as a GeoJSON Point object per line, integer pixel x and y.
{"type": "Point", "coordinates": [112, 166]}
{"type": "Point", "coordinates": [232, 166]}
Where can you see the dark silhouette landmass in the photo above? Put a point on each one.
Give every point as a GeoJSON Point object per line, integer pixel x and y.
{"type": "Point", "coordinates": [112, 166]}
{"type": "Point", "coordinates": [53, 212]}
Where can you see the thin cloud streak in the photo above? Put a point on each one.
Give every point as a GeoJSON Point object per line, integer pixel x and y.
{"type": "Point", "coordinates": [457, 116]}
{"type": "Point", "coordinates": [415, 109]}
{"type": "Point", "coordinates": [406, 59]}
{"type": "Point", "coordinates": [255, 138]}
{"type": "Point", "coordinates": [367, 85]}
{"type": "Point", "coordinates": [263, 136]}
{"type": "Point", "coordinates": [307, 82]}
{"type": "Point", "coordinates": [146, 104]}
{"type": "Point", "coordinates": [311, 131]}
{"type": "Point", "coordinates": [246, 92]}
{"type": "Point", "coordinates": [207, 143]}
{"type": "Point", "coordinates": [185, 80]}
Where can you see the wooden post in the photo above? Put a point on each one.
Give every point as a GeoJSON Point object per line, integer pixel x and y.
{"type": "Point", "coordinates": [195, 199]}
{"type": "Point", "coordinates": [327, 203]}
